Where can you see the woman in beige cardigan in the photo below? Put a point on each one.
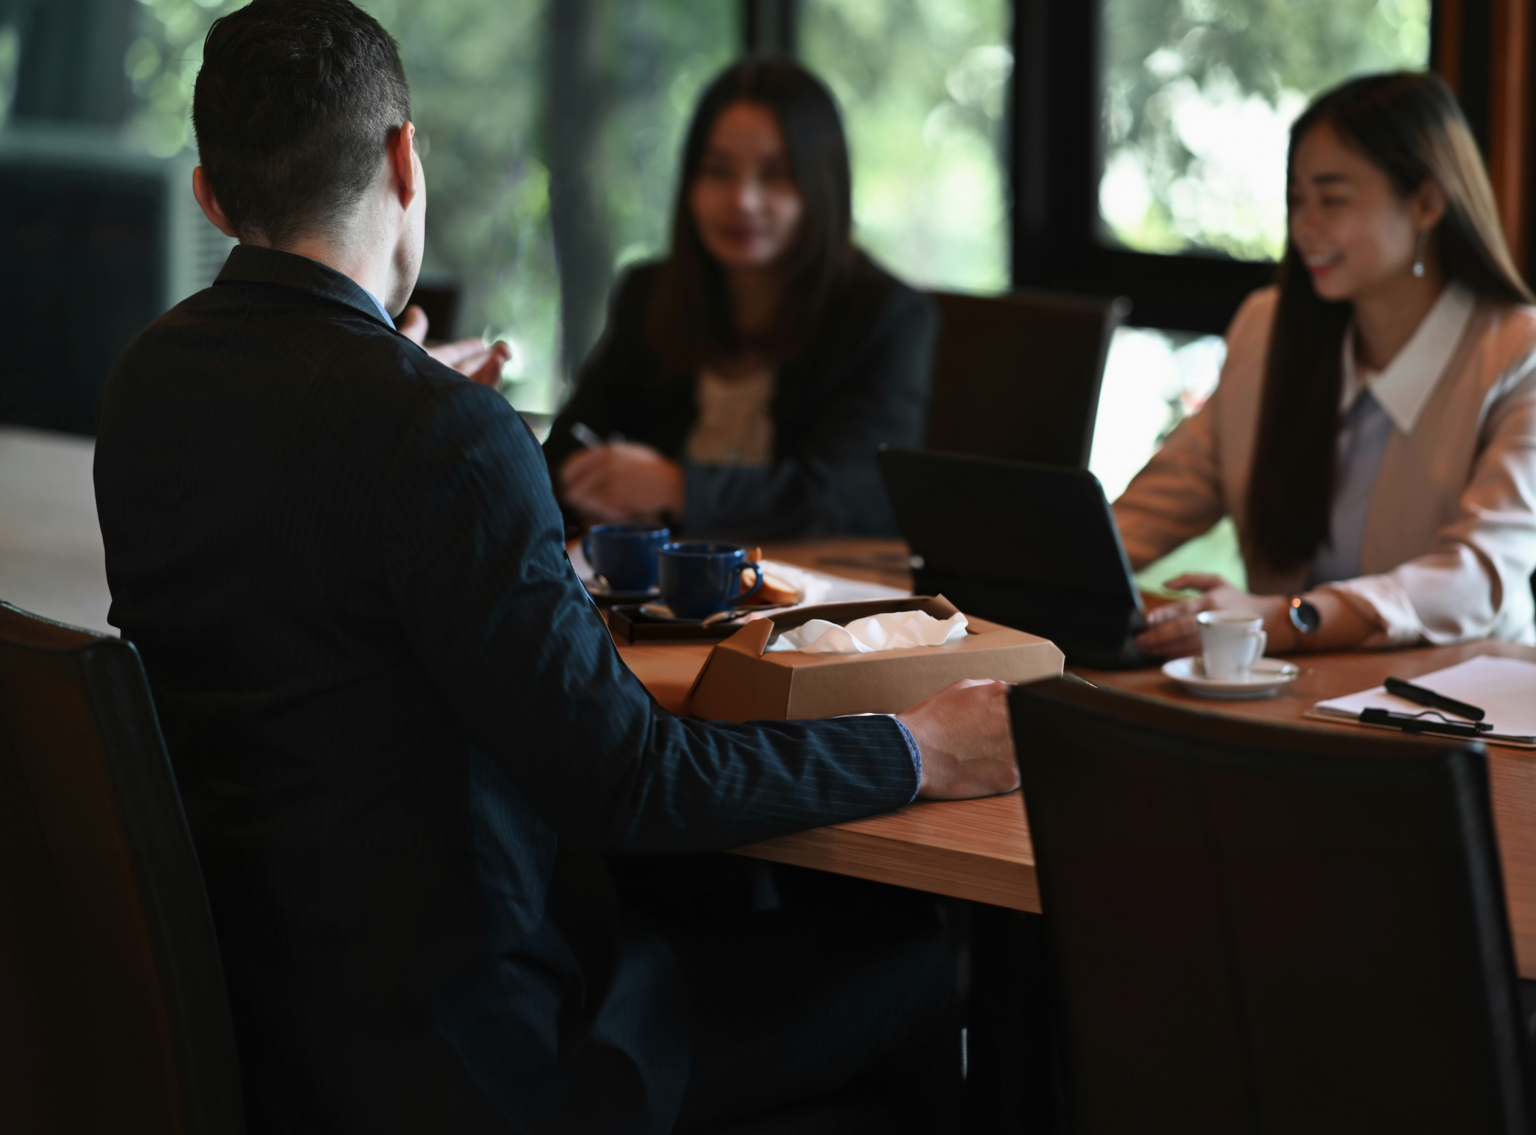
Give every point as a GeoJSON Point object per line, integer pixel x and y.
{"type": "Point", "coordinates": [1374, 432]}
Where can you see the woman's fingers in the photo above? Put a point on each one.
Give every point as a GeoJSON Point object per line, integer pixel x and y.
{"type": "Point", "coordinates": [1196, 581]}
{"type": "Point", "coordinates": [580, 468]}
{"type": "Point", "coordinates": [1162, 614]}
{"type": "Point", "coordinates": [585, 490]}
{"type": "Point", "coordinates": [1171, 638]}
{"type": "Point", "coordinates": [1178, 609]}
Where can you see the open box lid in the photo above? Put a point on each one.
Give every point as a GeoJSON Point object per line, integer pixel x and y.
{"type": "Point", "coordinates": [739, 682]}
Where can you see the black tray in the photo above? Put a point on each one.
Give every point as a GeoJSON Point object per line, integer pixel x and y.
{"type": "Point", "coordinates": [627, 623]}
{"type": "Point", "coordinates": [605, 598]}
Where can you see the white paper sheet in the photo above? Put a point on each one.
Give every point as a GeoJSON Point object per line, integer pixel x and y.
{"type": "Point", "coordinates": [1504, 688]}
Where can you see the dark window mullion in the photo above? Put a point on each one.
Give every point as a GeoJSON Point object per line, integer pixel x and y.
{"type": "Point", "coordinates": [769, 27]}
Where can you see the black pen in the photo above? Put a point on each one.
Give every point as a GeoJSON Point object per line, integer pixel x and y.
{"type": "Point", "coordinates": [1411, 724]}
{"type": "Point", "coordinates": [1420, 696]}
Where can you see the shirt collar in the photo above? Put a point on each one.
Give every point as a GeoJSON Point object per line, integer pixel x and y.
{"type": "Point", "coordinates": [274, 266]}
{"type": "Point", "coordinates": [378, 303]}
{"type": "Point", "coordinates": [1404, 387]}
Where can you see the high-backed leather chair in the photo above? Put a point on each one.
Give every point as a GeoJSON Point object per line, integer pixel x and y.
{"type": "Point", "coordinates": [113, 1015]}
{"type": "Point", "coordinates": [1017, 376]}
{"type": "Point", "coordinates": [1266, 928]}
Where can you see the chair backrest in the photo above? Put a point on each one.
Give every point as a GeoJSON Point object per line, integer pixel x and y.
{"type": "Point", "coordinates": [1269, 928]}
{"type": "Point", "coordinates": [113, 1014]}
{"type": "Point", "coordinates": [1017, 376]}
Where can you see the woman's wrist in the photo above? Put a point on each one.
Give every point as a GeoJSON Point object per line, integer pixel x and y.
{"type": "Point", "coordinates": [1284, 637]}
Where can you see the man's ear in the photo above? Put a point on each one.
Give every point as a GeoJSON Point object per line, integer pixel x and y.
{"type": "Point", "coordinates": [210, 204]}
{"type": "Point", "coordinates": [401, 156]}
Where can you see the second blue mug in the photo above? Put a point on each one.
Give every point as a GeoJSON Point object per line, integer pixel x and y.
{"type": "Point", "coordinates": [625, 554]}
{"type": "Point", "coordinates": [699, 578]}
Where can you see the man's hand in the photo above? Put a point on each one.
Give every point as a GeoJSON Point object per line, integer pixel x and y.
{"type": "Point", "coordinates": [966, 739]}
{"type": "Point", "coordinates": [470, 357]}
{"type": "Point", "coordinates": [622, 480]}
{"type": "Point", "coordinates": [1172, 631]}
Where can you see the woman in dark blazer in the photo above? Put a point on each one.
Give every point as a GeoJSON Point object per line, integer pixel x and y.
{"type": "Point", "coordinates": [744, 385]}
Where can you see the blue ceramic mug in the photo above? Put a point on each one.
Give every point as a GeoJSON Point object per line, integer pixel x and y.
{"type": "Point", "coordinates": [625, 554]}
{"type": "Point", "coordinates": [699, 578]}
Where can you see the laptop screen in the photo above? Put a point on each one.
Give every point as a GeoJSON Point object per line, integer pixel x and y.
{"type": "Point", "coordinates": [1031, 546]}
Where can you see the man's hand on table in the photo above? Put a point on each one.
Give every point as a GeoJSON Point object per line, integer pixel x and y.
{"type": "Point", "coordinates": [470, 357]}
{"type": "Point", "coordinates": [966, 739]}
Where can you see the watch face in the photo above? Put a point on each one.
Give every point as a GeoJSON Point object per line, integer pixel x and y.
{"type": "Point", "coordinates": [1305, 616]}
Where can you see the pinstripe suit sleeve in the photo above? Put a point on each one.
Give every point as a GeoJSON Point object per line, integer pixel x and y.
{"type": "Point", "coordinates": [476, 562]}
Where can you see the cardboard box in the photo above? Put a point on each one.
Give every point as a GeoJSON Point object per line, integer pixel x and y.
{"type": "Point", "coordinates": [740, 683]}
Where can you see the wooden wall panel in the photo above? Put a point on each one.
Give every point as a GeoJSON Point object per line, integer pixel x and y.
{"type": "Point", "coordinates": [1447, 43]}
{"type": "Point", "coordinates": [1510, 122]}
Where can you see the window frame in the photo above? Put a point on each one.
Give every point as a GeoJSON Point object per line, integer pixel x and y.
{"type": "Point", "coordinates": [1483, 48]}
{"type": "Point", "coordinates": [1056, 165]}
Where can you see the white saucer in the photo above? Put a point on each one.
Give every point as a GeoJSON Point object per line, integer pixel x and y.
{"type": "Point", "coordinates": [1263, 681]}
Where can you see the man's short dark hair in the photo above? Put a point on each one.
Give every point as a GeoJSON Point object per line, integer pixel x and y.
{"type": "Point", "coordinates": [293, 107]}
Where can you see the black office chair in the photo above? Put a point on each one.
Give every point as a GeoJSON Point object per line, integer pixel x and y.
{"type": "Point", "coordinates": [113, 1015]}
{"type": "Point", "coordinates": [1267, 928]}
{"type": "Point", "coordinates": [1017, 376]}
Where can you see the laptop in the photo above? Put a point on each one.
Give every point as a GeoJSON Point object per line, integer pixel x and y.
{"type": "Point", "coordinates": [1030, 546]}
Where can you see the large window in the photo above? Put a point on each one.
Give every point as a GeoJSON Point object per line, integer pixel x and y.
{"type": "Point", "coordinates": [1198, 96]}
{"type": "Point", "coordinates": [554, 131]}
{"type": "Point", "coordinates": [550, 131]}
{"type": "Point", "coordinates": [1129, 147]}
{"type": "Point", "coordinates": [923, 86]}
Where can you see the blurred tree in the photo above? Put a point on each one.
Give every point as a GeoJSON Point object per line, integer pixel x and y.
{"type": "Point", "coordinates": [579, 84]}
{"type": "Point", "coordinates": [543, 125]}
{"type": "Point", "coordinates": [1198, 95]}
{"type": "Point", "coordinates": [923, 88]}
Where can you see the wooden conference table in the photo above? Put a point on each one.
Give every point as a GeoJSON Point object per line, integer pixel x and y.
{"type": "Point", "coordinates": [980, 849]}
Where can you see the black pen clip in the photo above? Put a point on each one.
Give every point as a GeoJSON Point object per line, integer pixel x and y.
{"type": "Point", "coordinates": [1415, 723]}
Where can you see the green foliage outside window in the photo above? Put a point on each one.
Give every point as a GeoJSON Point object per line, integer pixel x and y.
{"type": "Point", "coordinates": [1199, 95]}
{"type": "Point", "coordinates": [479, 87]}
{"type": "Point", "coordinates": [922, 83]}
{"type": "Point", "coordinates": [923, 88]}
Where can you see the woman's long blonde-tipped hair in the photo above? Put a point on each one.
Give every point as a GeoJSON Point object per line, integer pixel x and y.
{"type": "Point", "coordinates": [1407, 125]}
{"type": "Point", "coordinates": [1457, 167]}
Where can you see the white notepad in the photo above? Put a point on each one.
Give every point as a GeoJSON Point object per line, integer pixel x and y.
{"type": "Point", "coordinates": [1504, 688]}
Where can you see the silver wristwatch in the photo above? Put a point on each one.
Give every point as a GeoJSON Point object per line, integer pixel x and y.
{"type": "Point", "coordinates": [1305, 616]}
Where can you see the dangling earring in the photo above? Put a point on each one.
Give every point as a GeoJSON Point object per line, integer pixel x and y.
{"type": "Point", "coordinates": [1418, 259]}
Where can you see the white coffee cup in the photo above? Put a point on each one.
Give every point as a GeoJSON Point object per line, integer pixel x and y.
{"type": "Point", "coordinates": [1231, 642]}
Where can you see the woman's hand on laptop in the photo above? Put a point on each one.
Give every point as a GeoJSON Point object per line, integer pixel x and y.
{"type": "Point", "coordinates": [966, 739]}
{"type": "Point", "coordinates": [1171, 629]}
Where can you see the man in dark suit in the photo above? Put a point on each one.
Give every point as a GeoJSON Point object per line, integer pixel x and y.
{"type": "Point", "coordinates": [401, 731]}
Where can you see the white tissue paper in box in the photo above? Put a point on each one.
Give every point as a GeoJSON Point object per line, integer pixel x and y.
{"type": "Point", "coordinates": [895, 630]}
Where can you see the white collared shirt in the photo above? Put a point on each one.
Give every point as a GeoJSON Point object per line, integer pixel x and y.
{"type": "Point", "coordinates": [1411, 377]}
{"type": "Point", "coordinates": [1372, 405]}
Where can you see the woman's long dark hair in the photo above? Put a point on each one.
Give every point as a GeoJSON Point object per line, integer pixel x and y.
{"type": "Point", "coordinates": [689, 323]}
{"type": "Point", "coordinates": [1409, 126]}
